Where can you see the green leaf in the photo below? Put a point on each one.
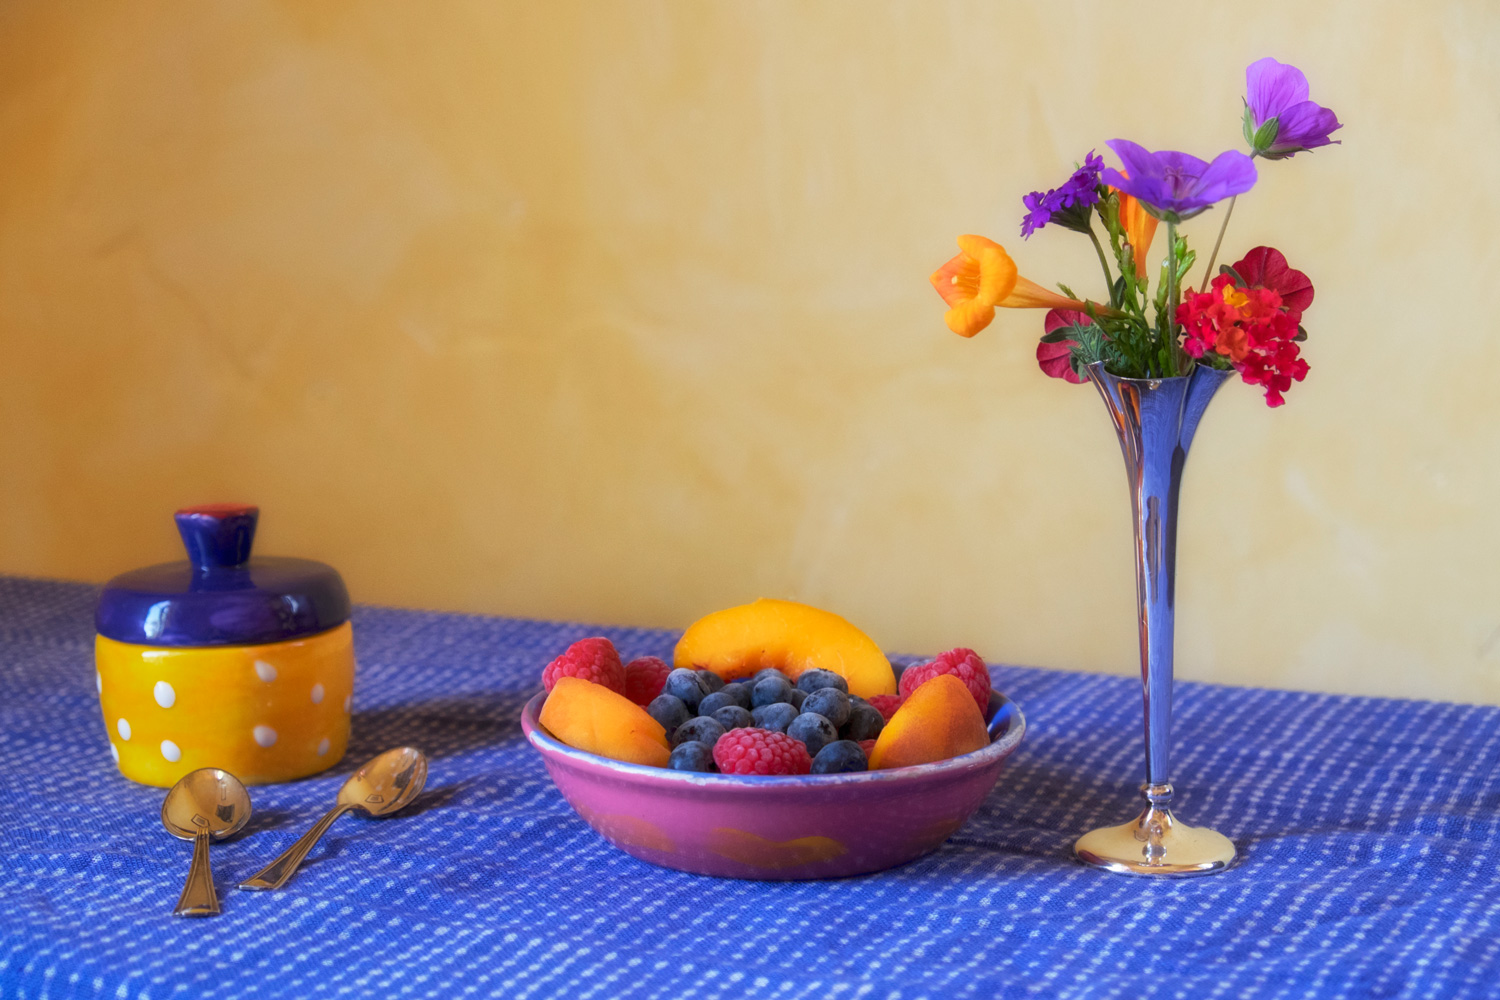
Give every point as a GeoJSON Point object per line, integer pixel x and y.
{"type": "Point", "coordinates": [1109, 214]}
{"type": "Point", "coordinates": [1067, 291]}
{"type": "Point", "coordinates": [1301, 333]}
{"type": "Point", "coordinates": [1265, 136]}
{"type": "Point", "coordinates": [1249, 126]}
{"type": "Point", "coordinates": [1227, 269]}
{"type": "Point", "coordinates": [1187, 261]}
{"type": "Point", "coordinates": [1058, 336]}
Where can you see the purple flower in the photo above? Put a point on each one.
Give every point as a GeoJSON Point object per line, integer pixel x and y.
{"type": "Point", "coordinates": [1277, 93]}
{"type": "Point", "coordinates": [1176, 186]}
{"type": "Point", "coordinates": [1038, 212]}
{"type": "Point", "coordinates": [1068, 205]}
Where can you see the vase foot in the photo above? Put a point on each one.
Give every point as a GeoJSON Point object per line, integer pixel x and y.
{"type": "Point", "coordinates": [1155, 844]}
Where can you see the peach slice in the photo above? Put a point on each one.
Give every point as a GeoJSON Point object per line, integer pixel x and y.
{"type": "Point", "coordinates": [938, 721]}
{"type": "Point", "coordinates": [791, 637]}
{"type": "Point", "coordinates": [592, 717]}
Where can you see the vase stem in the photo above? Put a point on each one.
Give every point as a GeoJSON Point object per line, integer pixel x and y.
{"type": "Point", "coordinates": [1156, 420]}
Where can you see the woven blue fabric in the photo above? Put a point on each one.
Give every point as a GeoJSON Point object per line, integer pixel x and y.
{"type": "Point", "coordinates": [1369, 831]}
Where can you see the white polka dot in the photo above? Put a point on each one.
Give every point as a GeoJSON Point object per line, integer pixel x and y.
{"type": "Point", "coordinates": [171, 751]}
{"type": "Point", "coordinates": [346, 702]}
{"type": "Point", "coordinates": [123, 728]}
{"type": "Point", "coordinates": [265, 736]}
{"type": "Point", "coordinates": [165, 696]}
{"type": "Point", "coordinates": [99, 681]}
{"type": "Point", "coordinates": [265, 671]}
{"type": "Point", "coordinates": [317, 694]}
{"type": "Point", "coordinates": [114, 752]}
{"type": "Point", "coordinates": [322, 746]}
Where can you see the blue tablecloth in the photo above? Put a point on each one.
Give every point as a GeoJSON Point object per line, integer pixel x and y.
{"type": "Point", "coordinates": [1368, 828]}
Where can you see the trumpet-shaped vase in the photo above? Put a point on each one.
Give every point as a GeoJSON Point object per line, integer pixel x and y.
{"type": "Point", "coordinates": [1156, 420]}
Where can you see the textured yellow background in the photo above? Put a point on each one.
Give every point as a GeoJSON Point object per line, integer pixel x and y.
{"type": "Point", "coordinates": [619, 312]}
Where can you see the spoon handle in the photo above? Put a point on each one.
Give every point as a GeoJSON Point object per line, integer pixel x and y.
{"type": "Point", "coordinates": [275, 874]}
{"type": "Point", "coordinates": [198, 898]}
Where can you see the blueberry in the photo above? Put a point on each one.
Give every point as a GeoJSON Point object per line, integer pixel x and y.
{"type": "Point", "coordinates": [769, 691]}
{"type": "Point", "coordinates": [669, 711]}
{"type": "Point", "coordinates": [703, 729]}
{"type": "Point", "coordinates": [693, 756]}
{"type": "Point", "coordinates": [898, 669]}
{"type": "Point", "coordinates": [839, 757]}
{"type": "Point", "coordinates": [734, 717]}
{"type": "Point", "coordinates": [711, 703]}
{"type": "Point", "coordinates": [688, 685]}
{"type": "Point", "coordinates": [831, 703]}
{"type": "Point", "coordinates": [774, 717]}
{"type": "Point", "coordinates": [798, 697]}
{"type": "Point", "coordinates": [738, 693]}
{"type": "Point", "coordinates": [865, 723]}
{"type": "Point", "coordinates": [812, 680]}
{"type": "Point", "coordinates": [761, 675]}
{"type": "Point", "coordinates": [812, 729]}
{"type": "Point", "coordinates": [711, 681]}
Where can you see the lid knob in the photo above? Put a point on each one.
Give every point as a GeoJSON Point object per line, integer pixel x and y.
{"type": "Point", "coordinates": [217, 534]}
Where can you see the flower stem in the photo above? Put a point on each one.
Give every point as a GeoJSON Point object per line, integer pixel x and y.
{"type": "Point", "coordinates": [1109, 281]}
{"type": "Point", "coordinates": [1208, 273]}
{"type": "Point", "coordinates": [1169, 348]}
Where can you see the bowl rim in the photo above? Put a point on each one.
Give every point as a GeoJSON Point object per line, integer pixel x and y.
{"type": "Point", "coordinates": [1001, 745]}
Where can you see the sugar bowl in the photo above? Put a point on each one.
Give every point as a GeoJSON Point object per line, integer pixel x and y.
{"type": "Point", "coordinates": [223, 660]}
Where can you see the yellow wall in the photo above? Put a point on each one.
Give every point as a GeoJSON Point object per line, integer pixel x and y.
{"type": "Point", "coordinates": [619, 311]}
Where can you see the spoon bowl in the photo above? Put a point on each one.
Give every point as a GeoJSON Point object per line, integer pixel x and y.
{"type": "Point", "coordinates": [207, 799]}
{"type": "Point", "coordinates": [206, 804]}
{"type": "Point", "coordinates": [386, 783]}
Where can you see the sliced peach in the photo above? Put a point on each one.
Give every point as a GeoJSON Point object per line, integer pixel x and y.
{"type": "Point", "coordinates": [938, 721]}
{"type": "Point", "coordinates": [592, 717]}
{"type": "Point", "coordinates": [789, 636]}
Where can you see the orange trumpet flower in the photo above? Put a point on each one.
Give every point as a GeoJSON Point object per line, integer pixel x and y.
{"type": "Point", "coordinates": [982, 277]}
{"type": "Point", "coordinates": [1140, 229]}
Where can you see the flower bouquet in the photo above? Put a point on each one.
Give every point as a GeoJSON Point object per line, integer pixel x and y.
{"type": "Point", "coordinates": [1157, 356]}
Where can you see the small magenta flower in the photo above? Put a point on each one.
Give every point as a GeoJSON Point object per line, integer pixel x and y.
{"type": "Point", "coordinates": [1279, 119]}
{"type": "Point", "coordinates": [1068, 205]}
{"type": "Point", "coordinates": [1175, 186]}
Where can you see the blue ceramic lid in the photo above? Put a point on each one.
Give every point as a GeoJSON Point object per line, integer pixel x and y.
{"type": "Point", "coordinates": [220, 596]}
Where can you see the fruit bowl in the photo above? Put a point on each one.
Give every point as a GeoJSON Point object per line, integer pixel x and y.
{"type": "Point", "coordinates": [777, 828]}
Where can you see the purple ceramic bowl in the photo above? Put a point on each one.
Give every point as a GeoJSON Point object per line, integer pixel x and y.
{"type": "Point", "coordinates": [793, 827]}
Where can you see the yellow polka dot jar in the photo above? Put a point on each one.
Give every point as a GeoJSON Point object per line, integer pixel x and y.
{"type": "Point", "coordinates": [225, 661]}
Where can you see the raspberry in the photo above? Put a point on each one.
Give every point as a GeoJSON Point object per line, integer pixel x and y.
{"type": "Point", "coordinates": [868, 746]}
{"type": "Point", "coordinates": [593, 660]}
{"type": "Point", "coordinates": [644, 677]}
{"type": "Point", "coordinates": [760, 751]}
{"type": "Point", "coordinates": [886, 704]}
{"type": "Point", "coordinates": [964, 664]}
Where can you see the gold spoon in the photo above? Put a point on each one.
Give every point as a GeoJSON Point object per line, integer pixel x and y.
{"type": "Point", "coordinates": [206, 803]}
{"type": "Point", "coordinates": [380, 787]}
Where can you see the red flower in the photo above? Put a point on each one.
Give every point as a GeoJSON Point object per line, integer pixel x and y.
{"type": "Point", "coordinates": [1254, 326]}
{"type": "Point", "coordinates": [1266, 267]}
{"type": "Point", "coordinates": [1056, 359]}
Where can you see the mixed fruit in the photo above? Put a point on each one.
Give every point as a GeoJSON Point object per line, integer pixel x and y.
{"type": "Point", "coordinates": [768, 688]}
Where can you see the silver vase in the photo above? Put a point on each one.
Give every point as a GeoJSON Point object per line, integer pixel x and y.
{"type": "Point", "coordinates": [1155, 420]}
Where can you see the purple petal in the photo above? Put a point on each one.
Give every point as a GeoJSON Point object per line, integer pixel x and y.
{"type": "Point", "coordinates": [1137, 159]}
{"type": "Point", "coordinates": [1143, 188]}
{"type": "Point", "coordinates": [1305, 126]}
{"type": "Point", "coordinates": [1182, 164]}
{"type": "Point", "coordinates": [1272, 87]}
{"type": "Point", "coordinates": [1230, 174]}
